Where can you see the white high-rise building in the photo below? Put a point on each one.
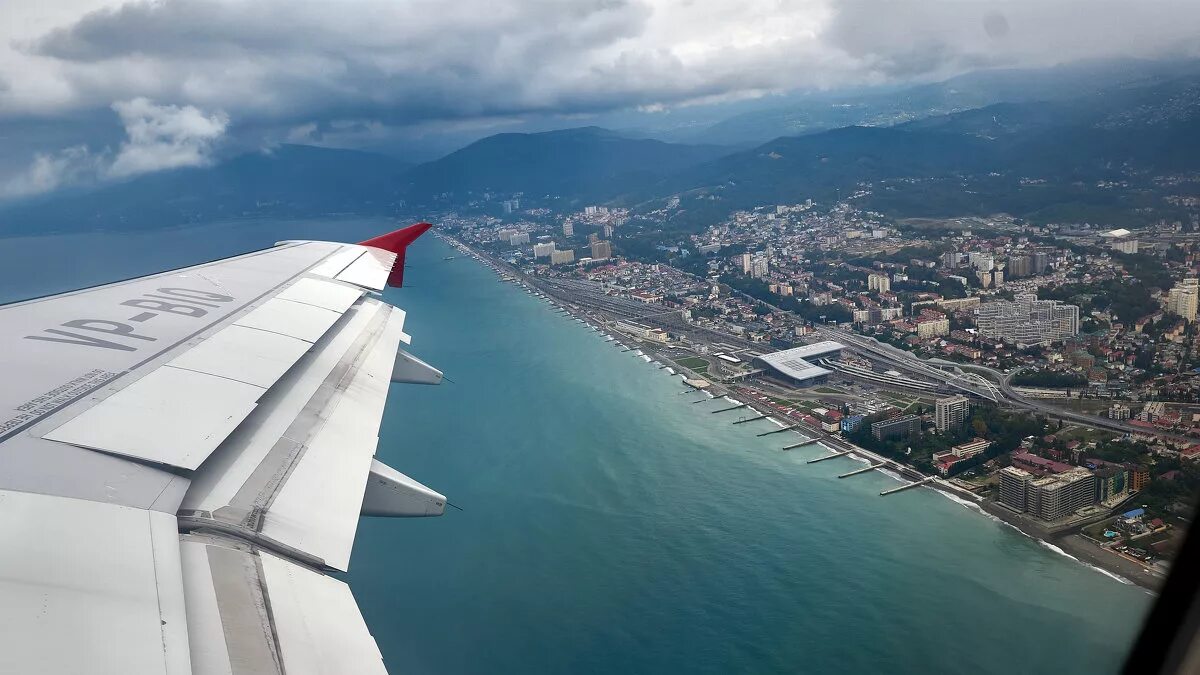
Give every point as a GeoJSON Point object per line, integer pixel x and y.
{"type": "Point", "coordinates": [879, 282]}
{"type": "Point", "coordinates": [759, 267]}
{"type": "Point", "coordinates": [983, 262]}
{"type": "Point", "coordinates": [1027, 320]}
{"type": "Point", "coordinates": [1014, 488]}
{"type": "Point", "coordinates": [1184, 298]}
{"type": "Point", "coordinates": [950, 413]}
{"type": "Point", "coordinates": [1125, 245]}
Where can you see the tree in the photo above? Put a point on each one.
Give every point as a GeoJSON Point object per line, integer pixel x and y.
{"type": "Point", "coordinates": [980, 427]}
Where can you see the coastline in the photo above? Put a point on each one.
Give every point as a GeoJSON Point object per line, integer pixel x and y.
{"type": "Point", "coordinates": [1068, 544]}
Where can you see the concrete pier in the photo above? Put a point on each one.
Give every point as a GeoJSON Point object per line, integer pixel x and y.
{"type": "Point", "coordinates": [839, 453]}
{"type": "Point", "coordinates": [751, 419]}
{"type": "Point", "coordinates": [775, 431]}
{"type": "Point", "coordinates": [736, 407]}
{"type": "Point", "coordinates": [862, 470]}
{"type": "Point", "coordinates": [906, 486]}
{"type": "Point", "coordinates": [801, 444]}
{"type": "Point", "coordinates": [701, 400]}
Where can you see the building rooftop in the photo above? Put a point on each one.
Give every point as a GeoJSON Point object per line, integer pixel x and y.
{"type": "Point", "coordinates": [791, 362]}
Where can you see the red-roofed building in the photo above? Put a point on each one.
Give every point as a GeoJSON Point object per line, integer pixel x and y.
{"type": "Point", "coordinates": [1039, 466]}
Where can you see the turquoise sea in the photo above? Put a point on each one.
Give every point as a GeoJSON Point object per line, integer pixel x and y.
{"type": "Point", "coordinates": [609, 525]}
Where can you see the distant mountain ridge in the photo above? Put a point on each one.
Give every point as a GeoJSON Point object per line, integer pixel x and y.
{"type": "Point", "coordinates": [587, 162]}
{"type": "Point", "coordinates": [964, 92]}
{"type": "Point", "coordinates": [1085, 139]}
{"type": "Point", "coordinates": [921, 166]}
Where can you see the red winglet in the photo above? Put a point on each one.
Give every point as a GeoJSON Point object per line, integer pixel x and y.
{"type": "Point", "coordinates": [397, 242]}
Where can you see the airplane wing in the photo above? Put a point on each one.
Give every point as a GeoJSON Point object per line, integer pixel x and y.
{"type": "Point", "coordinates": [184, 458]}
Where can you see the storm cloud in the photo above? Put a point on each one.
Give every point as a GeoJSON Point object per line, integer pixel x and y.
{"type": "Point", "coordinates": [312, 70]}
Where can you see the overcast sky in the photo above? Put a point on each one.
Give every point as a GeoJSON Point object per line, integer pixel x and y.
{"type": "Point", "coordinates": [110, 89]}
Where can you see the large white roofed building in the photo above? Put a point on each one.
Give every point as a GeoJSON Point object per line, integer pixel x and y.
{"type": "Point", "coordinates": [795, 364]}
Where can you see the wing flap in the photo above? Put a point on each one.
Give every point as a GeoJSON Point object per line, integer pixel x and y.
{"type": "Point", "coordinates": [249, 355]}
{"type": "Point", "coordinates": [295, 319]}
{"type": "Point", "coordinates": [195, 411]}
{"type": "Point", "coordinates": [257, 612]}
{"type": "Point", "coordinates": [199, 397]}
{"type": "Point", "coordinates": [320, 628]}
{"type": "Point", "coordinates": [89, 587]}
{"type": "Point", "coordinates": [370, 270]}
{"type": "Point", "coordinates": [324, 294]}
{"type": "Point", "coordinates": [316, 510]}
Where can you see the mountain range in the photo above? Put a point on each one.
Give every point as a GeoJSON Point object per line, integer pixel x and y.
{"type": "Point", "coordinates": [972, 160]}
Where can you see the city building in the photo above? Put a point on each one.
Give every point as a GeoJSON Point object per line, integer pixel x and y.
{"type": "Point", "coordinates": [543, 250]}
{"type": "Point", "coordinates": [904, 426]}
{"type": "Point", "coordinates": [1125, 245]}
{"type": "Point", "coordinates": [601, 250]}
{"type": "Point", "coordinates": [793, 365]}
{"type": "Point", "coordinates": [851, 423]}
{"type": "Point", "coordinates": [745, 260]}
{"type": "Point", "coordinates": [984, 262]}
{"type": "Point", "coordinates": [933, 328]}
{"type": "Point", "coordinates": [1040, 262]}
{"type": "Point", "coordinates": [975, 446]}
{"type": "Point", "coordinates": [518, 239]}
{"type": "Point", "coordinates": [1014, 488]}
{"type": "Point", "coordinates": [956, 304]}
{"type": "Point", "coordinates": [1054, 497]}
{"type": "Point", "coordinates": [950, 413]}
{"type": "Point", "coordinates": [879, 282]}
{"type": "Point", "coordinates": [641, 331]}
{"type": "Point", "coordinates": [1019, 266]}
{"type": "Point", "coordinates": [1112, 483]}
{"type": "Point", "coordinates": [944, 461]}
{"type": "Point", "coordinates": [1027, 320]}
{"type": "Point", "coordinates": [759, 267]}
{"type": "Point", "coordinates": [1139, 476]}
{"type": "Point", "coordinates": [1118, 411]}
{"type": "Point", "coordinates": [568, 229]}
{"type": "Point", "coordinates": [562, 257]}
{"type": "Point", "coordinates": [1184, 298]}
{"type": "Point", "coordinates": [1039, 466]}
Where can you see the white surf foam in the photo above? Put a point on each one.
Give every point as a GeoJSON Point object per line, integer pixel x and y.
{"type": "Point", "coordinates": [1045, 544]}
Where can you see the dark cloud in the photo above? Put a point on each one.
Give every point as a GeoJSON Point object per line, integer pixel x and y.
{"type": "Point", "coordinates": [368, 71]}
{"type": "Point", "coordinates": [914, 38]}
